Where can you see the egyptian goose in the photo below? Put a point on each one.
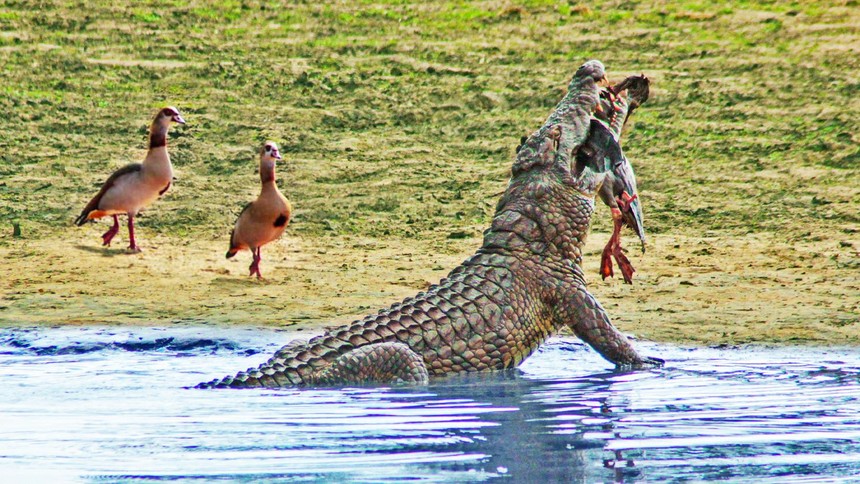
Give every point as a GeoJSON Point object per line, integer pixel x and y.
{"type": "Point", "coordinates": [133, 187]}
{"type": "Point", "coordinates": [619, 190]}
{"type": "Point", "coordinates": [264, 219]}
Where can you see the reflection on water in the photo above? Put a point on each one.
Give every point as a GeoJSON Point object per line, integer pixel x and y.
{"type": "Point", "coordinates": [98, 403]}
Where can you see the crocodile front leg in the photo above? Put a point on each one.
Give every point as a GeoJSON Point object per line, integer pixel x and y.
{"type": "Point", "coordinates": [580, 311]}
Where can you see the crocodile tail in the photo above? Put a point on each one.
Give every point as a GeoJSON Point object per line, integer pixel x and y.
{"type": "Point", "coordinates": [227, 382]}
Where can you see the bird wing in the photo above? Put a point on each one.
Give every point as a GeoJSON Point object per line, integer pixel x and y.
{"type": "Point", "coordinates": [94, 203]}
{"type": "Point", "coordinates": [233, 233]}
{"type": "Point", "coordinates": [623, 172]}
{"type": "Point", "coordinates": [600, 152]}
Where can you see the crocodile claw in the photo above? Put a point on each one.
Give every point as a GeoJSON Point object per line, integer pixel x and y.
{"type": "Point", "coordinates": [645, 363]}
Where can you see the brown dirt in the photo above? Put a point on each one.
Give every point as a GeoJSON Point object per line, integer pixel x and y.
{"type": "Point", "coordinates": [705, 290]}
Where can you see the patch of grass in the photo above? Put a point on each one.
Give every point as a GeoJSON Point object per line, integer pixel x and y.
{"type": "Point", "coordinates": [400, 119]}
{"type": "Point", "coordinates": [615, 17]}
{"type": "Point", "coordinates": [147, 16]}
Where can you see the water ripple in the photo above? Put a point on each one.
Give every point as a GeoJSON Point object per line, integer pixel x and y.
{"type": "Point", "coordinates": [108, 404]}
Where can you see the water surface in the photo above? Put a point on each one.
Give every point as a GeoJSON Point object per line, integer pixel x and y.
{"type": "Point", "coordinates": [96, 404]}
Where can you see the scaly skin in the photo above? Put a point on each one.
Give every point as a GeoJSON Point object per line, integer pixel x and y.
{"type": "Point", "coordinates": [499, 305]}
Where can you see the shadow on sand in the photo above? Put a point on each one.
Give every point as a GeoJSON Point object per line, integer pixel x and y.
{"type": "Point", "coordinates": [105, 251]}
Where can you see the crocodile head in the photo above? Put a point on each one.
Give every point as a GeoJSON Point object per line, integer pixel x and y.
{"type": "Point", "coordinates": [592, 69]}
{"type": "Point", "coordinates": [546, 209]}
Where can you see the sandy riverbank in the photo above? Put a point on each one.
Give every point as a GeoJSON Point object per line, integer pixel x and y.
{"type": "Point", "coordinates": [709, 290]}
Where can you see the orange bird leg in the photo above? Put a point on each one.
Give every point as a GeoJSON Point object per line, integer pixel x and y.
{"type": "Point", "coordinates": [109, 235]}
{"type": "Point", "coordinates": [624, 264]}
{"type": "Point", "coordinates": [627, 270]}
{"type": "Point", "coordinates": [608, 251]}
{"type": "Point", "coordinates": [625, 200]}
{"type": "Point", "coordinates": [613, 247]}
{"type": "Point", "coordinates": [255, 264]}
{"type": "Point", "coordinates": [131, 243]}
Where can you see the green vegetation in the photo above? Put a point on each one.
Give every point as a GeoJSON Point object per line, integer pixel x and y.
{"type": "Point", "coordinates": [753, 114]}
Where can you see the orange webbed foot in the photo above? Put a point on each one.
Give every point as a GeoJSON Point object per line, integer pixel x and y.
{"type": "Point", "coordinates": [613, 250]}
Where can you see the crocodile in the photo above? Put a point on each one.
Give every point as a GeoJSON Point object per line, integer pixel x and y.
{"type": "Point", "coordinates": [494, 310]}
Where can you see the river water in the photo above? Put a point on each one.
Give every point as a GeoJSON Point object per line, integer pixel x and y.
{"type": "Point", "coordinates": [112, 405]}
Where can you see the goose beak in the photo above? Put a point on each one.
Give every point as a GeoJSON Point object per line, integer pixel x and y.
{"type": "Point", "coordinates": [276, 155]}
{"type": "Point", "coordinates": [178, 119]}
